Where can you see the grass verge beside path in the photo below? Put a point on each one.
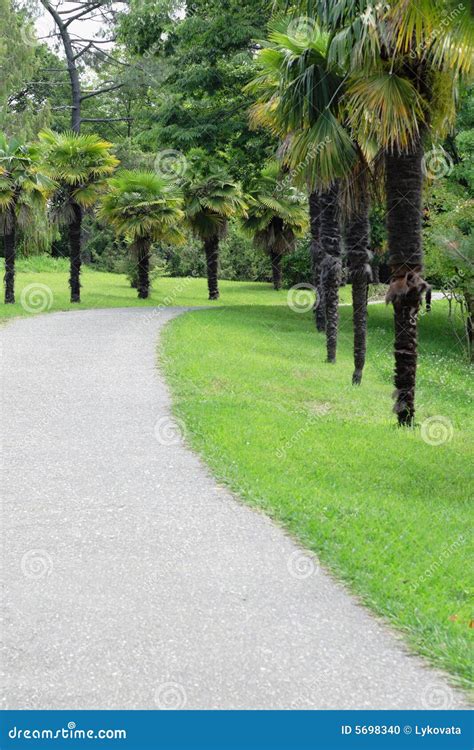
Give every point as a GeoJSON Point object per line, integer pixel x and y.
{"type": "Point", "coordinates": [386, 509]}
{"type": "Point", "coordinates": [44, 283]}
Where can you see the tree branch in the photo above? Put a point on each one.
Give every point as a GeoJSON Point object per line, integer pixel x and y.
{"type": "Point", "coordinates": [101, 91]}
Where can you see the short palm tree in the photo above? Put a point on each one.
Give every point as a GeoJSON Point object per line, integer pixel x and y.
{"type": "Point", "coordinates": [277, 215]}
{"type": "Point", "coordinates": [80, 165]}
{"type": "Point", "coordinates": [23, 194]}
{"type": "Point", "coordinates": [404, 61]}
{"type": "Point", "coordinates": [211, 198]}
{"type": "Point", "coordinates": [144, 208]}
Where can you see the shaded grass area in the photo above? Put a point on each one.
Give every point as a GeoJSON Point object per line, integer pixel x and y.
{"type": "Point", "coordinates": [383, 508]}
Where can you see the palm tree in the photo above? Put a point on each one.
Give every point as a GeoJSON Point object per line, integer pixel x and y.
{"type": "Point", "coordinates": [211, 198]}
{"type": "Point", "coordinates": [143, 207]}
{"type": "Point", "coordinates": [80, 165]}
{"type": "Point", "coordinates": [276, 216]}
{"type": "Point", "coordinates": [317, 256]}
{"type": "Point", "coordinates": [23, 193]}
{"type": "Point", "coordinates": [405, 60]}
{"type": "Point", "coordinates": [299, 99]}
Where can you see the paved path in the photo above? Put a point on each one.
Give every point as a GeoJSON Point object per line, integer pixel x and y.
{"type": "Point", "coordinates": [134, 581]}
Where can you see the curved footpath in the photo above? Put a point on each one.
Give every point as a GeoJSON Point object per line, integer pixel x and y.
{"type": "Point", "coordinates": [133, 580]}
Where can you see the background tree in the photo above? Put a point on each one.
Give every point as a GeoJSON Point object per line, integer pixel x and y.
{"type": "Point", "coordinates": [144, 208]}
{"type": "Point", "coordinates": [211, 198]}
{"type": "Point", "coordinates": [277, 214]}
{"type": "Point", "coordinates": [23, 192]}
{"type": "Point", "coordinates": [80, 165]}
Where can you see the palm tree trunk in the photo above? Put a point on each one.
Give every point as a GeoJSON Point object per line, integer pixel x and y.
{"type": "Point", "coordinates": [75, 249]}
{"type": "Point", "coordinates": [276, 259]}
{"type": "Point", "coordinates": [9, 241]}
{"type": "Point", "coordinates": [317, 255]}
{"type": "Point", "coordinates": [404, 181]}
{"type": "Point", "coordinates": [331, 267]}
{"type": "Point", "coordinates": [143, 267]}
{"type": "Point", "coordinates": [211, 248]}
{"type": "Point", "coordinates": [359, 256]}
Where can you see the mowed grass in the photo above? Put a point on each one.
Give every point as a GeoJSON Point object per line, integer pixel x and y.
{"type": "Point", "coordinates": [44, 284]}
{"type": "Point", "coordinates": [383, 509]}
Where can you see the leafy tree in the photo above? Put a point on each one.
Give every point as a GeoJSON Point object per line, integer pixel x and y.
{"type": "Point", "coordinates": [23, 193]}
{"type": "Point", "coordinates": [211, 198]}
{"type": "Point", "coordinates": [80, 165]}
{"type": "Point", "coordinates": [199, 58]}
{"type": "Point", "coordinates": [143, 207]}
{"type": "Point", "coordinates": [275, 216]}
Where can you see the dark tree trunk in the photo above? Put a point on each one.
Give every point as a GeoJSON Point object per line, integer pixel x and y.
{"type": "Point", "coordinates": [375, 273]}
{"type": "Point", "coordinates": [317, 255]}
{"type": "Point", "coordinates": [276, 259]}
{"type": "Point", "coordinates": [143, 268]}
{"type": "Point", "coordinates": [404, 181]}
{"type": "Point", "coordinates": [75, 249]}
{"type": "Point", "coordinates": [211, 248]}
{"type": "Point", "coordinates": [331, 268]}
{"type": "Point", "coordinates": [9, 241]}
{"type": "Point", "coordinates": [358, 258]}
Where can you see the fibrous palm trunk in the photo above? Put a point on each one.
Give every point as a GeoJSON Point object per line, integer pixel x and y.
{"type": "Point", "coordinates": [317, 255]}
{"type": "Point", "coordinates": [211, 248]}
{"type": "Point", "coordinates": [331, 267]}
{"type": "Point", "coordinates": [276, 259]}
{"type": "Point", "coordinates": [75, 250]}
{"type": "Point", "coordinates": [9, 240]}
{"type": "Point", "coordinates": [358, 257]}
{"type": "Point", "coordinates": [143, 269]}
{"type": "Point", "coordinates": [404, 181]}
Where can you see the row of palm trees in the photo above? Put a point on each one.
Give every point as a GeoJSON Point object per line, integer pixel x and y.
{"type": "Point", "coordinates": [355, 91]}
{"type": "Point", "coordinates": [66, 174]}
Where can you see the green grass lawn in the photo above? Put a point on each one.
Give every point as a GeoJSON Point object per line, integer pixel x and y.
{"type": "Point", "coordinates": [384, 510]}
{"type": "Point", "coordinates": [45, 282]}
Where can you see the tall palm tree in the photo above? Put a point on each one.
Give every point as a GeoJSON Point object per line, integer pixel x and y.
{"type": "Point", "coordinates": [143, 207]}
{"type": "Point", "coordinates": [405, 61]}
{"type": "Point", "coordinates": [277, 215]}
{"type": "Point", "coordinates": [23, 193]}
{"type": "Point", "coordinates": [211, 198]}
{"type": "Point", "coordinates": [299, 99]}
{"type": "Point", "coordinates": [317, 256]}
{"type": "Point", "coordinates": [80, 165]}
